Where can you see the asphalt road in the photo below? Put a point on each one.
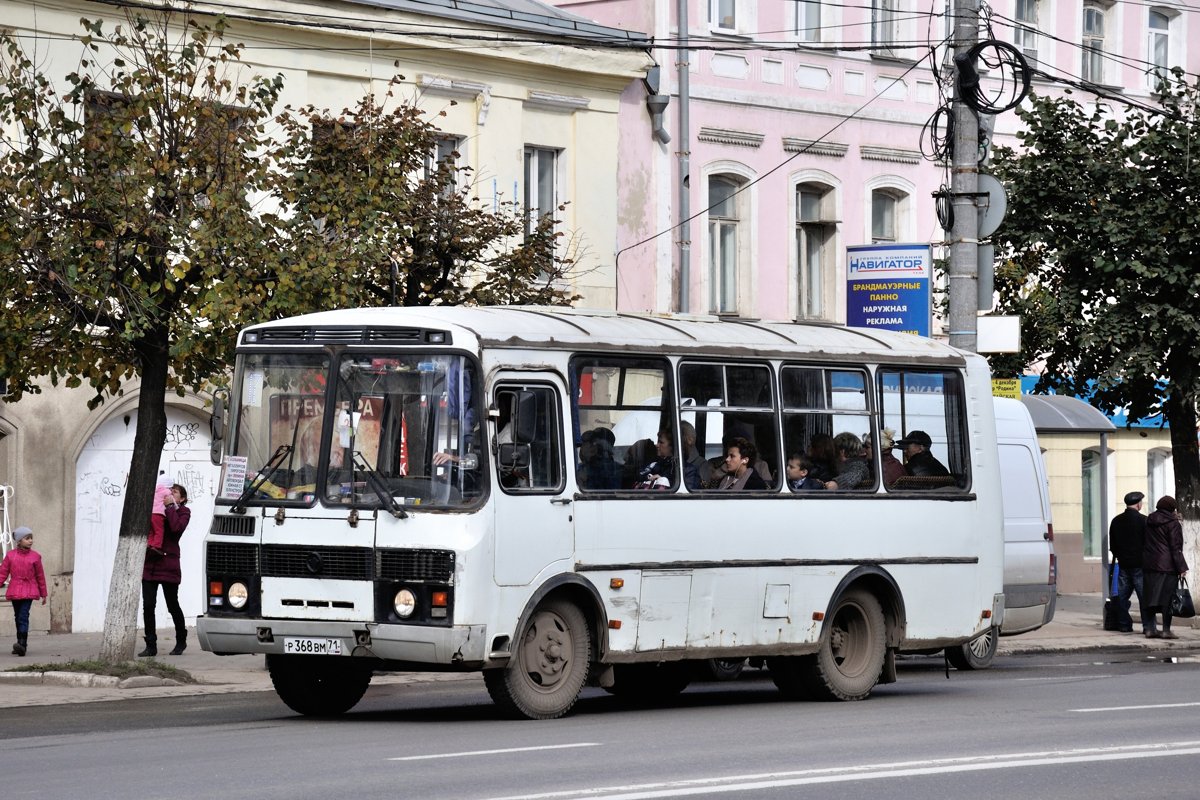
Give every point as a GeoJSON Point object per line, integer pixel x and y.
{"type": "Point", "coordinates": [1064, 726]}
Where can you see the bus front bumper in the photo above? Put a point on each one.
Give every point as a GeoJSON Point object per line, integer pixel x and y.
{"type": "Point", "coordinates": [459, 646]}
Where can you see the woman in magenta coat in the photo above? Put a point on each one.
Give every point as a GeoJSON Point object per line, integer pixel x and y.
{"type": "Point", "coordinates": [22, 568]}
{"type": "Point", "coordinates": [162, 569]}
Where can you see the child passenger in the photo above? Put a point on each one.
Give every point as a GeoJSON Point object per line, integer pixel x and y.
{"type": "Point", "coordinates": [798, 474]}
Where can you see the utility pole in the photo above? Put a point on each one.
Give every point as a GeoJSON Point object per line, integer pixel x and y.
{"type": "Point", "coordinates": [964, 186]}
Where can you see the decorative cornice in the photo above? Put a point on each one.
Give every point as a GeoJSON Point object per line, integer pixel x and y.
{"type": "Point", "coordinates": [556, 102]}
{"type": "Point", "coordinates": [813, 147]}
{"type": "Point", "coordinates": [451, 87]}
{"type": "Point", "coordinates": [871, 152]}
{"type": "Point", "coordinates": [726, 136]}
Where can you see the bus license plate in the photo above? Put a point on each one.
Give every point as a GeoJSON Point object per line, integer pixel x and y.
{"type": "Point", "coordinates": [312, 647]}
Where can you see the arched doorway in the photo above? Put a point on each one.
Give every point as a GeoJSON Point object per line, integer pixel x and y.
{"type": "Point", "coordinates": [101, 473]}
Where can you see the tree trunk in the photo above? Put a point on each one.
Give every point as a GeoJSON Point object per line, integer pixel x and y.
{"type": "Point", "coordinates": [124, 591]}
{"type": "Point", "coordinates": [1185, 455]}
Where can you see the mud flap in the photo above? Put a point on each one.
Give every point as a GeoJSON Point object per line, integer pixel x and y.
{"type": "Point", "coordinates": [888, 673]}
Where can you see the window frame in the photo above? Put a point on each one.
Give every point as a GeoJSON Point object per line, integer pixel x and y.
{"type": "Point", "coordinates": [726, 264]}
{"type": "Point", "coordinates": [1092, 44]}
{"type": "Point", "coordinates": [957, 456]}
{"type": "Point", "coordinates": [533, 207]}
{"type": "Point", "coordinates": [829, 409]}
{"type": "Point", "coordinates": [824, 226]}
{"type": "Point", "coordinates": [553, 425]}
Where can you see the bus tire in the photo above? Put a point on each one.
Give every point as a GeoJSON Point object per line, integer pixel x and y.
{"type": "Point", "coordinates": [318, 686]}
{"type": "Point", "coordinates": [650, 683]}
{"type": "Point", "coordinates": [853, 646]}
{"type": "Point", "coordinates": [975, 654]}
{"type": "Point", "coordinates": [547, 672]}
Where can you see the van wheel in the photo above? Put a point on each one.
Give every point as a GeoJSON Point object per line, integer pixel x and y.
{"type": "Point", "coordinates": [852, 650]}
{"type": "Point", "coordinates": [975, 654]}
{"type": "Point", "coordinates": [722, 669]}
{"type": "Point", "coordinates": [318, 686]}
{"type": "Point", "coordinates": [650, 683]}
{"type": "Point", "coordinates": [544, 677]}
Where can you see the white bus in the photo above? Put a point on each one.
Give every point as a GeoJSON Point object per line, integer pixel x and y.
{"type": "Point", "coordinates": [459, 489]}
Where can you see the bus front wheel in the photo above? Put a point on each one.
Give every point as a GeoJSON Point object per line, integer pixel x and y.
{"type": "Point", "coordinates": [318, 686]}
{"type": "Point", "coordinates": [852, 650]}
{"type": "Point", "coordinates": [545, 675]}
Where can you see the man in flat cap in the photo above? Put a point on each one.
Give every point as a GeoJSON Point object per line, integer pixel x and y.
{"type": "Point", "coordinates": [1126, 536]}
{"type": "Point", "coordinates": [917, 458]}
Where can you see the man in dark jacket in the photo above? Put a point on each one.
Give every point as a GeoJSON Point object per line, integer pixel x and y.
{"type": "Point", "coordinates": [1126, 540]}
{"type": "Point", "coordinates": [917, 458]}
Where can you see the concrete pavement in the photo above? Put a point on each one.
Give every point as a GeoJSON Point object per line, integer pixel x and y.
{"type": "Point", "coordinates": [1077, 626]}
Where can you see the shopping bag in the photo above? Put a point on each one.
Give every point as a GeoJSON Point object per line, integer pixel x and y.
{"type": "Point", "coordinates": [1181, 603]}
{"type": "Point", "coordinates": [1114, 587]}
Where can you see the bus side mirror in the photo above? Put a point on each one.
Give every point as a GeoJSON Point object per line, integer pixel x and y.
{"type": "Point", "coordinates": [216, 428]}
{"type": "Point", "coordinates": [524, 421]}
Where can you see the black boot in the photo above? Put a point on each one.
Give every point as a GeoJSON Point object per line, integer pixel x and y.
{"type": "Point", "coordinates": [151, 648]}
{"type": "Point", "coordinates": [180, 643]}
{"type": "Point", "coordinates": [22, 643]}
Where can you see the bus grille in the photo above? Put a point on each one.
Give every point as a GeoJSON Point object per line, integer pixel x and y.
{"type": "Point", "coordinates": [233, 525]}
{"type": "Point", "coordinates": [415, 565]}
{"type": "Point", "coordinates": [300, 561]}
{"type": "Point", "coordinates": [225, 558]}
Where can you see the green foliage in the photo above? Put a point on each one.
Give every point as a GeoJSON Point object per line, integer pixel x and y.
{"type": "Point", "coordinates": [366, 207]}
{"type": "Point", "coordinates": [1101, 259]}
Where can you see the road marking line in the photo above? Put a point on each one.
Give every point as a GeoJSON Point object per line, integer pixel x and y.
{"type": "Point", "coordinates": [1133, 708]}
{"type": "Point", "coordinates": [495, 752]}
{"type": "Point", "coordinates": [777, 780]}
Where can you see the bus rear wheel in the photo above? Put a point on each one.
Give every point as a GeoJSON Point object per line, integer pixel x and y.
{"type": "Point", "coordinates": [975, 654]}
{"type": "Point", "coordinates": [547, 672]}
{"type": "Point", "coordinates": [318, 686]}
{"type": "Point", "coordinates": [852, 650]}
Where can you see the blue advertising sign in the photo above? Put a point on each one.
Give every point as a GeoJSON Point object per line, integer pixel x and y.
{"type": "Point", "coordinates": [888, 287]}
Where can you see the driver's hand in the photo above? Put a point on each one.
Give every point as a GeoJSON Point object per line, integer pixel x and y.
{"type": "Point", "coordinates": [440, 459]}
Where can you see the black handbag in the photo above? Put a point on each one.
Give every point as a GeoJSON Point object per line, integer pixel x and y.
{"type": "Point", "coordinates": [1181, 603]}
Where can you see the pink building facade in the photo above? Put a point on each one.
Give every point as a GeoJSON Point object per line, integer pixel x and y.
{"type": "Point", "coordinates": [804, 134]}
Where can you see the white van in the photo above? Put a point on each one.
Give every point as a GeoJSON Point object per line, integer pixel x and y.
{"type": "Point", "coordinates": [1030, 569]}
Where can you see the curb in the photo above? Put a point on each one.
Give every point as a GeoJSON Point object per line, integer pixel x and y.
{"type": "Point", "coordinates": [86, 680]}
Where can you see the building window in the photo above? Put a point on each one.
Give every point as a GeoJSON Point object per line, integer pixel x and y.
{"type": "Point", "coordinates": [1158, 46]}
{"type": "Point", "coordinates": [884, 23]}
{"type": "Point", "coordinates": [723, 244]}
{"type": "Point", "coordinates": [1093, 44]}
{"type": "Point", "coordinates": [808, 20]}
{"type": "Point", "coordinates": [885, 207]}
{"type": "Point", "coordinates": [721, 15]}
{"type": "Point", "coordinates": [815, 229]}
{"type": "Point", "coordinates": [1092, 512]}
{"type": "Point", "coordinates": [541, 189]}
{"type": "Point", "coordinates": [1025, 33]}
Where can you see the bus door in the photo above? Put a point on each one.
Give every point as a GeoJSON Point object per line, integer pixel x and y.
{"type": "Point", "coordinates": [533, 513]}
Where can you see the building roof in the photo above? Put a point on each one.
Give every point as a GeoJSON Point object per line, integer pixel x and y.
{"type": "Point", "coordinates": [533, 16]}
{"type": "Point", "coordinates": [1056, 413]}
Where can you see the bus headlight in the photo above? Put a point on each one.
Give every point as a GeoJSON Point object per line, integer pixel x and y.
{"type": "Point", "coordinates": [405, 603]}
{"type": "Point", "coordinates": [238, 595]}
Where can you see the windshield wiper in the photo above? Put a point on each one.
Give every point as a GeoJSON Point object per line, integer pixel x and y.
{"type": "Point", "coordinates": [239, 507]}
{"type": "Point", "coordinates": [385, 496]}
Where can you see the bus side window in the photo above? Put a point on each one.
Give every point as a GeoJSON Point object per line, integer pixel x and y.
{"type": "Point", "coordinates": [819, 403]}
{"type": "Point", "coordinates": [927, 411]}
{"type": "Point", "coordinates": [725, 401]}
{"type": "Point", "coordinates": [528, 450]}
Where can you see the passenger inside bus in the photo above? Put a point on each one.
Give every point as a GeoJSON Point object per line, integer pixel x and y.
{"type": "Point", "coordinates": [739, 474]}
{"type": "Point", "coordinates": [660, 473]}
{"type": "Point", "coordinates": [853, 469]}
{"type": "Point", "coordinates": [695, 469]}
{"type": "Point", "coordinates": [799, 474]}
{"type": "Point", "coordinates": [918, 461]}
{"type": "Point", "coordinates": [823, 456]}
{"type": "Point", "coordinates": [598, 467]}
{"type": "Point", "coordinates": [638, 456]}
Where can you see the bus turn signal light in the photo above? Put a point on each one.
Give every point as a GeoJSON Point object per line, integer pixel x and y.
{"type": "Point", "coordinates": [614, 624]}
{"type": "Point", "coordinates": [616, 583]}
{"type": "Point", "coordinates": [438, 600]}
{"type": "Point", "coordinates": [216, 588]}
{"type": "Point", "coordinates": [818, 616]}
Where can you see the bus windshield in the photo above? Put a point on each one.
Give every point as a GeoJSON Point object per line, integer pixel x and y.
{"type": "Point", "coordinates": [351, 430]}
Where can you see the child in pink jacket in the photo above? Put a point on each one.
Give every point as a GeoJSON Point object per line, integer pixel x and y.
{"type": "Point", "coordinates": [22, 568]}
{"type": "Point", "coordinates": [162, 496]}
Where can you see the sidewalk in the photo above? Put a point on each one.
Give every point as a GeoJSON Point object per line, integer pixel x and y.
{"type": "Point", "coordinates": [1077, 626]}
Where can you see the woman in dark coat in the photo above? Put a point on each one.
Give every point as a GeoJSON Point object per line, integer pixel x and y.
{"type": "Point", "coordinates": [162, 569]}
{"type": "Point", "coordinates": [1163, 562]}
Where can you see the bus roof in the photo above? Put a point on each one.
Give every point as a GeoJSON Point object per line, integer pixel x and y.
{"type": "Point", "coordinates": [555, 328]}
